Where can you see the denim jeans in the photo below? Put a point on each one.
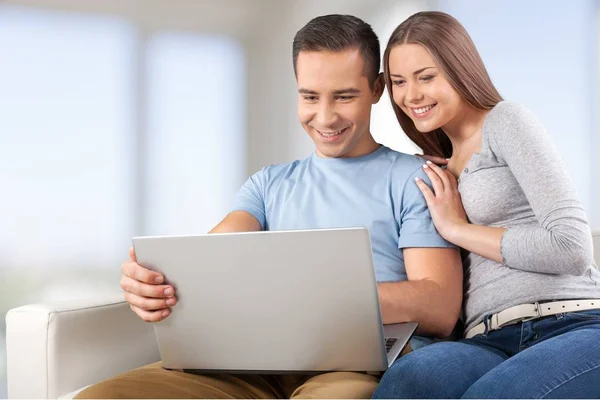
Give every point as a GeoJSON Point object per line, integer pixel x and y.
{"type": "Point", "coordinates": [552, 357]}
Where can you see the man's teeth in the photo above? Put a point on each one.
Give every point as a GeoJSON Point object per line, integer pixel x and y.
{"type": "Point", "coordinates": [422, 110]}
{"type": "Point", "coordinates": [331, 134]}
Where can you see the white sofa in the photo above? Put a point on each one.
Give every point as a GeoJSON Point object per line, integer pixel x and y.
{"type": "Point", "coordinates": [55, 349]}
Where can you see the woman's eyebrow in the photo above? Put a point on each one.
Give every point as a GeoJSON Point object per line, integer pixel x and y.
{"type": "Point", "coordinates": [414, 73]}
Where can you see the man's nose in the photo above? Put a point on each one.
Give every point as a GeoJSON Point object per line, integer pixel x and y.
{"type": "Point", "coordinates": [326, 116]}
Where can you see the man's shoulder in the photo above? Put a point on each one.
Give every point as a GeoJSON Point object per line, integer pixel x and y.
{"type": "Point", "coordinates": [403, 165]}
{"type": "Point", "coordinates": [275, 171]}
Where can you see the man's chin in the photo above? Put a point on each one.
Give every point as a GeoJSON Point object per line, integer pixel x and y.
{"type": "Point", "coordinates": [329, 152]}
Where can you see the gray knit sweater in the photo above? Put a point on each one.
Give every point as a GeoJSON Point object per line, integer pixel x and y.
{"type": "Point", "coordinates": [518, 181]}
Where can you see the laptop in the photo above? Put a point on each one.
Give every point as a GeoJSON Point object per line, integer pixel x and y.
{"type": "Point", "coordinates": [272, 302]}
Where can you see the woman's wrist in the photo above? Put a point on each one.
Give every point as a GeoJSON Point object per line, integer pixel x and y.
{"type": "Point", "coordinates": [457, 233]}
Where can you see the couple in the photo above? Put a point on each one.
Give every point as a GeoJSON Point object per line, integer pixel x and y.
{"type": "Point", "coordinates": [502, 194]}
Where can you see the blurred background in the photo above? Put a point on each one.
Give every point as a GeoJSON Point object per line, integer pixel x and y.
{"type": "Point", "coordinates": [143, 117]}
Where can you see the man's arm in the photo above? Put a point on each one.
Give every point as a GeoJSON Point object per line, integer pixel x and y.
{"type": "Point", "coordinates": [432, 295]}
{"type": "Point", "coordinates": [237, 221]}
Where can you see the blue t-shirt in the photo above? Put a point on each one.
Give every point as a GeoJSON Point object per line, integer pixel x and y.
{"type": "Point", "coordinates": [377, 191]}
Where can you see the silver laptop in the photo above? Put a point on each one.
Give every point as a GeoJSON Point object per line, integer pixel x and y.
{"type": "Point", "coordinates": [272, 302]}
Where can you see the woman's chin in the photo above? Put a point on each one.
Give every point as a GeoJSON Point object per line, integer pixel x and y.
{"type": "Point", "coordinates": [425, 130]}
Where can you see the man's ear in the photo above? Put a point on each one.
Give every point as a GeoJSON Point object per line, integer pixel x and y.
{"type": "Point", "coordinates": [378, 87]}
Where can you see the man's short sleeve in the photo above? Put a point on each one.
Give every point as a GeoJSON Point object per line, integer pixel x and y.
{"type": "Point", "coordinates": [416, 226]}
{"type": "Point", "coordinates": [250, 197]}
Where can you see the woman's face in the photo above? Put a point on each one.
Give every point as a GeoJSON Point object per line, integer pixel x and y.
{"type": "Point", "coordinates": [421, 90]}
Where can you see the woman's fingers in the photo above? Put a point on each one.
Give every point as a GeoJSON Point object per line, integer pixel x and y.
{"type": "Point", "coordinates": [442, 175]}
{"type": "Point", "coordinates": [427, 193]}
{"type": "Point", "coordinates": [452, 181]}
{"type": "Point", "coordinates": [434, 159]}
{"type": "Point", "coordinates": [436, 181]}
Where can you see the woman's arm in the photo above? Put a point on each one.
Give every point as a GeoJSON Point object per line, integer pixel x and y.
{"type": "Point", "coordinates": [561, 243]}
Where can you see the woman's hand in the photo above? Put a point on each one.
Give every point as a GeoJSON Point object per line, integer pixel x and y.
{"type": "Point", "coordinates": [444, 201]}
{"type": "Point", "coordinates": [434, 159]}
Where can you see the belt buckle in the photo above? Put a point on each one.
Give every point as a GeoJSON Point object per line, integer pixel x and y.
{"type": "Point", "coordinates": [537, 311]}
{"type": "Point", "coordinates": [492, 323]}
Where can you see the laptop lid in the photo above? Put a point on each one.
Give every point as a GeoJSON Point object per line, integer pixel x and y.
{"type": "Point", "coordinates": [269, 302]}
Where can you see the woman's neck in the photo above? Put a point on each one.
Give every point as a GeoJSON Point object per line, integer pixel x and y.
{"type": "Point", "coordinates": [465, 128]}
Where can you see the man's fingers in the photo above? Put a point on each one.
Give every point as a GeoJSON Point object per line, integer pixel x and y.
{"type": "Point", "coordinates": [139, 273]}
{"type": "Point", "coordinates": [149, 304]}
{"type": "Point", "coordinates": [132, 255]}
{"type": "Point", "coordinates": [151, 316]}
{"type": "Point", "coordinates": [146, 290]}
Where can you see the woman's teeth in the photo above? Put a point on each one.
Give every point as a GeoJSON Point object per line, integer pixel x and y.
{"type": "Point", "coordinates": [423, 110]}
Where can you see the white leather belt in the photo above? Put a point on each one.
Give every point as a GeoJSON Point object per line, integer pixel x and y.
{"type": "Point", "coordinates": [527, 312]}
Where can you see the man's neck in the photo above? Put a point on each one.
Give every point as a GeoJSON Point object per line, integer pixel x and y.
{"type": "Point", "coordinates": [366, 147]}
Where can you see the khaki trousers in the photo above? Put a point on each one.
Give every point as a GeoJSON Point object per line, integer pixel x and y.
{"type": "Point", "coordinates": [154, 382]}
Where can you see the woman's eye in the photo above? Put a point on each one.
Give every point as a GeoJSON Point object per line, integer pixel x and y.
{"type": "Point", "coordinates": [397, 82]}
{"type": "Point", "coordinates": [426, 78]}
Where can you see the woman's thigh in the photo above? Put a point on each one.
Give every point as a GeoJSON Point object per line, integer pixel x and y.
{"type": "Point", "coordinates": [441, 370]}
{"type": "Point", "coordinates": [564, 366]}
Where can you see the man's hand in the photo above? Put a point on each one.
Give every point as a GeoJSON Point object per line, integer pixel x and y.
{"type": "Point", "coordinates": [144, 289]}
{"type": "Point", "coordinates": [145, 292]}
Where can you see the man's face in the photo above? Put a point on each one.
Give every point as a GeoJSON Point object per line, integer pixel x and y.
{"type": "Point", "coordinates": [334, 102]}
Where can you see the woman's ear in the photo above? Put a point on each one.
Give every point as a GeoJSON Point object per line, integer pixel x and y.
{"type": "Point", "coordinates": [378, 87]}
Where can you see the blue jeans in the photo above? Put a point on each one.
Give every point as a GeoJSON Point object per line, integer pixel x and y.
{"type": "Point", "coordinates": [551, 357]}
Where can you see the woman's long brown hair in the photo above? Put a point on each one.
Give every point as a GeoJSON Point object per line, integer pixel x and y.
{"type": "Point", "coordinates": [457, 58]}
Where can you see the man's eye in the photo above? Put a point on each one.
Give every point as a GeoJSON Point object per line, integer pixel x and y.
{"type": "Point", "coordinates": [310, 98]}
{"type": "Point", "coordinates": [345, 98]}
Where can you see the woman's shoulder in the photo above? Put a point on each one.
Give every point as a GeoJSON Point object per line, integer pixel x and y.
{"type": "Point", "coordinates": [511, 128]}
{"type": "Point", "coordinates": [508, 113]}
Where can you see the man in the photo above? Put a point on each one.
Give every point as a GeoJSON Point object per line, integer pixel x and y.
{"type": "Point", "coordinates": [350, 180]}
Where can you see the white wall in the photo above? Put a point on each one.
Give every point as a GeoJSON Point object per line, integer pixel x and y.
{"type": "Point", "coordinates": [542, 53]}
{"type": "Point", "coordinates": [266, 28]}
{"type": "Point", "coordinates": [228, 17]}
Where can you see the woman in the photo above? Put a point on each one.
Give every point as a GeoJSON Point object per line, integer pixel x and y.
{"type": "Point", "coordinates": [532, 293]}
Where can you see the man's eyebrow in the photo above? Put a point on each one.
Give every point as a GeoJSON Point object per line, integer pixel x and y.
{"type": "Point", "coordinates": [306, 91]}
{"type": "Point", "coordinates": [347, 91]}
{"type": "Point", "coordinates": [417, 72]}
{"type": "Point", "coordinates": [336, 92]}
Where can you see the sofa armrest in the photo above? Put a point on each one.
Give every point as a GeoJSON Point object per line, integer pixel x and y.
{"type": "Point", "coordinates": [55, 348]}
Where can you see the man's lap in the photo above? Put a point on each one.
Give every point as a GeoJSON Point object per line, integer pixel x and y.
{"type": "Point", "coordinates": [153, 381]}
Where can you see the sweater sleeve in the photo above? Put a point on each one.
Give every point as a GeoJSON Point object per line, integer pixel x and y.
{"type": "Point", "coordinates": [562, 242]}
